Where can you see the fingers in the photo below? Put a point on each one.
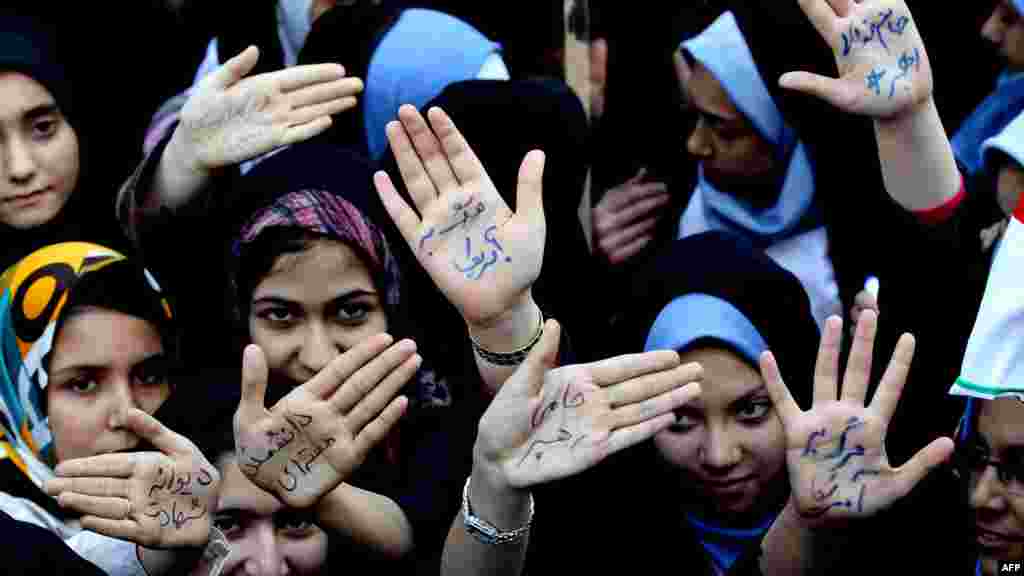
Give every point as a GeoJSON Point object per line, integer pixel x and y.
{"type": "Point", "coordinates": [543, 357]}
{"type": "Point", "coordinates": [120, 529]}
{"type": "Point", "coordinates": [254, 379]}
{"type": "Point", "coordinates": [298, 77]}
{"type": "Point", "coordinates": [887, 397]}
{"type": "Point", "coordinates": [836, 92]}
{"type": "Point", "coordinates": [403, 216]}
{"type": "Point", "coordinates": [631, 436]}
{"type": "Point", "coordinates": [108, 465]}
{"type": "Point", "coordinates": [826, 369]}
{"type": "Point", "coordinates": [113, 508]}
{"type": "Point", "coordinates": [529, 192]}
{"type": "Point", "coordinates": [652, 385]}
{"type": "Point", "coordinates": [414, 174]}
{"type": "Point", "coordinates": [782, 400]}
{"type": "Point", "coordinates": [628, 251]}
{"type": "Point", "coordinates": [161, 437]}
{"type": "Point", "coordinates": [842, 7]}
{"type": "Point", "coordinates": [98, 487]}
{"type": "Point", "coordinates": [622, 368]}
{"type": "Point", "coordinates": [823, 15]}
{"type": "Point", "coordinates": [363, 383]}
{"type": "Point", "coordinates": [926, 460]}
{"type": "Point", "coordinates": [627, 236]}
{"type": "Point", "coordinates": [382, 394]}
{"type": "Point", "coordinates": [234, 69]}
{"type": "Point", "coordinates": [428, 148]}
{"type": "Point", "coordinates": [630, 193]}
{"type": "Point", "coordinates": [463, 160]}
{"type": "Point", "coordinates": [655, 407]}
{"type": "Point", "coordinates": [303, 132]}
{"type": "Point", "coordinates": [858, 368]}
{"type": "Point", "coordinates": [636, 211]}
{"type": "Point", "coordinates": [375, 432]}
{"type": "Point", "coordinates": [341, 368]}
{"type": "Point", "coordinates": [318, 111]}
{"type": "Point", "coordinates": [323, 93]}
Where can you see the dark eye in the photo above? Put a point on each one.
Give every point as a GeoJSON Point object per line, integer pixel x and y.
{"type": "Point", "coordinates": [228, 524]}
{"type": "Point", "coordinates": [276, 315]}
{"type": "Point", "coordinates": [83, 385]}
{"type": "Point", "coordinates": [753, 411]}
{"type": "Point", "coordinates": [294, 524]}
{"type": "Point", "coordinates": [353, 312]}
{"type": "Point", "coordinates": [44, 128]}
{"type": "Point", "coordinates": [684, 423]}
{"type": "Point", "coordinates": [152, 372]}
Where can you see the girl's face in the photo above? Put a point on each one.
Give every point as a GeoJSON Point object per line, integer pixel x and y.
{"type": "Point", "coordinates": [1005, 29]}
{"type": "Point", "coordinates": [313, 306]}
{"type": "Point", "coordinates": [729, 443]}
{"type": "Point", "coordinates": [729, 148]}
{"type": "Point", "coordinates": [267, 538]}
{"type": "Point", "coordinates": [39, 160]}
{"type": "Point", "coordinates": [997, 499]}
{"type": "Point", "coordinates": [103, 363]}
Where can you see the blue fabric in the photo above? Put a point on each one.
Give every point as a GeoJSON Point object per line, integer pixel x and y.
{"type": "Point", "coordinates": [725, 545]}
{"type": "Point", "coordinates": [695, 316]}
{"type": "Point", "coordinates": [424, 52]}
{"type": "Point", "coordinates": [722, 49]}
{"type": "Point", "coordinates": [989, 119]}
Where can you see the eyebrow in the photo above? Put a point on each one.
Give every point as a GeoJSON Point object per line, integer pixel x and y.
{"type": "Point", "coordinates": [41, 111]}
{"type": "Point", "coordinates": [343, 298]}
{"type": "Point", "coordinates": [85, 366]}
{"type": "Point", "coordinates": [762, 389]}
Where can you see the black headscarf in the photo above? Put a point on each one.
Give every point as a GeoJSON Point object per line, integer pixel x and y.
{"type": "Point", "coordinates": [502, 121]}
{"type": "Point", "coordinates": [30, 45]}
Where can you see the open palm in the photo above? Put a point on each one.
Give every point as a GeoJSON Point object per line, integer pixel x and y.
{"type": "Point", "coordinates": [883, 67]}
{"type": "Point", "coordinates": [548, 423]}
{"type": "Point", "coordinates": [315, 437]}
{"type": "Point", "coordinates": [480, 254]}
{"type": "Point", "coordinates": [230, 118]}
{"type": "Point", "coordinates": [836, 451]}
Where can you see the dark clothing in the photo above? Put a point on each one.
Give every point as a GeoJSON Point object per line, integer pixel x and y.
{"type": "Point", "coordinates": [30, 550]}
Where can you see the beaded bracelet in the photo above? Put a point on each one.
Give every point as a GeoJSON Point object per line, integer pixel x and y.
{"type": "Point", "coordinates": [510, 358]}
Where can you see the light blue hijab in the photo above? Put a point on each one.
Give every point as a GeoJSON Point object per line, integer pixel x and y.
{"type": "Point", "coordinates": [423, 53]}
{"type": "Point", "coordinates": [723, 50]}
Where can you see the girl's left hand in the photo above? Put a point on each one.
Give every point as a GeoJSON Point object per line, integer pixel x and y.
{"type": "Point", "coordinates": [883, 67]}
{"type": "Point", "coordinates": [483, 256]}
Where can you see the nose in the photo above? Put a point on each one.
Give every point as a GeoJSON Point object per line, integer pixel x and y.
{"type": "Point", "coordinates": [988, 491]}
{"type": "Point", "coordinates": [21, 166]}
{"type": "Point", "coordinates": [262, 555]}
{"type": "Point", "coordinates": [120, 401]}
{"type": "Point", "coordinates": [699, 144]}
{"type": "Point", "coordinates": [719, 452]}
{"type": "Point", "coordinates": [318, 348]}
{"type": "Point", "coordinates": [993, 30]}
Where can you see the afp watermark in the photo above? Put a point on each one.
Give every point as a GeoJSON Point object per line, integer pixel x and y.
{"type": "Point", "coordinates": [1015, 567]}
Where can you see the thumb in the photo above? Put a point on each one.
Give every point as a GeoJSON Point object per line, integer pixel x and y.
{"type": "Point", "coordinates": [926, 460]}
{"type": "Point", "coordinates": [529, 194]}
{"type": "Point", "coordinates": [835, 91]}
{"type": "Point", "coordinates": [235, 69]}
{"type": "Point", "coordinates": [639, 177]}
{"type": "Point", "coordinates": [254, 379]}
{"type": "Point", "coordinates": [150, 429]}
{"type": "Point", "coordinates": [543, 357]}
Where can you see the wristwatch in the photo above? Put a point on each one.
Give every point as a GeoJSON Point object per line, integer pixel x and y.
{"type": "Point", "coordinates": [486, 532]}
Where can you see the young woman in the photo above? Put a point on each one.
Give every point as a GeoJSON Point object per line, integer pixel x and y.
{"type": "Point", "coordinates": [87, 348]}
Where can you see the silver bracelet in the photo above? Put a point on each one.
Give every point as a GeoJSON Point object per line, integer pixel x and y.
{"type": "Point", "coordinates": [486, 532]}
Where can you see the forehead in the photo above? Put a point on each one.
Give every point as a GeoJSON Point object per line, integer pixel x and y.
{"type": "Point", "coordinates": [19, 94]}
{"type": "Point", "coordinates": [318, 274]}
{"type": "Point", "coordinates": [98, 337]}
{"type": "Point", "coordinates": [708, 94]}
{"type": "Point", "coordinates": [727, 377]}
{"type": "Point", "coordinates": [238, 493]}
{"type": "Point", "coordinates": [1001, 422]}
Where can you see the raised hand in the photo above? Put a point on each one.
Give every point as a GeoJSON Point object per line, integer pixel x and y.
{"type": "Point", "coordinates": [480, 254]}
{"type": "Point", "coordinates": [156, 499]}
{"type": "Point", "coordinates": [838, 468]}
{"type": "Point", "coordinates": [625, 218]}
{"type": "Point", "coordinates": [316, 436]}
{"type": "Point", "coordinates": [883, 67]}
{"type": "Point", "coordinates": [547, 423]}
{"type": "Point", "coordinates": [230, 118]}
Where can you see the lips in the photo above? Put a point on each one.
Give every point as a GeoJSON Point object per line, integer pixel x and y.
{"type": "Point", "coordinates": [726, 485]}
{"type": "Point", "coordinates": [994, 540]}
{"type": "Point", "coordinates": [28, 197]}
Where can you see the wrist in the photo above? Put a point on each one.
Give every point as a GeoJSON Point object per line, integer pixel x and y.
{"type": "Point", "coordinates": [493, 499]}
{"type": "Point", "coordinates": [180, 174]}
{"type": "Point", "coordinates": [511, 330]}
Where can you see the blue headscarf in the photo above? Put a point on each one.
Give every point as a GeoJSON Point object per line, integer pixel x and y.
{"type": "Point", "coordinates": [724, 51]}
{"type": "Point", "coordinates": [417, 58]}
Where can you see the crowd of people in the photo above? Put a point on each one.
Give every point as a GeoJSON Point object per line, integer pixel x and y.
{"type": "Point", "coordinates": [345, 315]}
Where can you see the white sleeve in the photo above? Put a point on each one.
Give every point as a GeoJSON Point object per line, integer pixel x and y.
{"type": "Point", "coordinates": [494, 68]}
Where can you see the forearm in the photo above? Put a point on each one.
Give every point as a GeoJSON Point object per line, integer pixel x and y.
{"type": "Point", "coordinates": [177, 179]}
{"type": "Point", "coordinates": [513, 331]}
{"type": "Point", "coordinates": [505, 508]}
{"type": "Point", "coordinates": [918, 166]}
{"type": "Point", "coordinates": [368, 519]}
{"type": "Point", "coordinates": [790, 547]}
